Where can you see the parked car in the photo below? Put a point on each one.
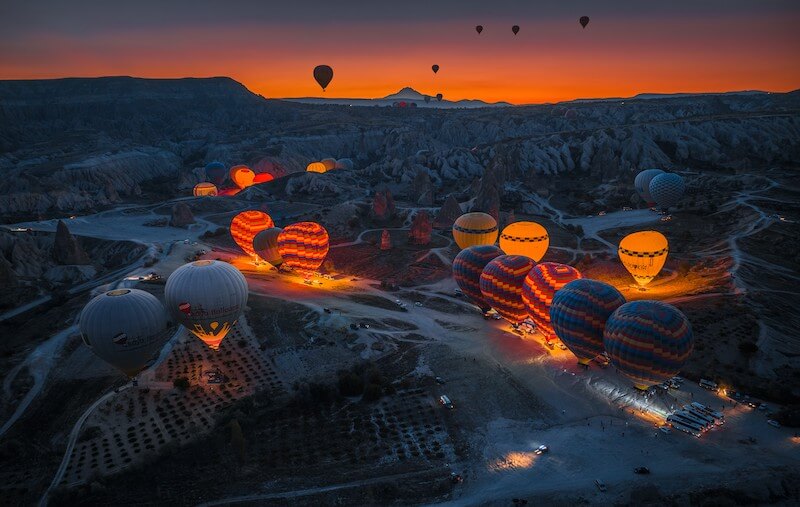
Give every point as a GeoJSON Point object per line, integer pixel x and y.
{"type": "Point", "coordinates": [542, 449]}
{"type": "Point", "coordinates": [439, 380]}
{"type": "Point", "coordinates": [641, 470]}
{"type": "Point", "coordinates": [600, 485]}
{"type": "Point", "coordinates": [773, 422]}
{"type": "Point", "coordinates": [665, 430]}
{"type": "Point", "coordinates": [445, 402]}
{"type": "Point", "coordinates": [417, 303]}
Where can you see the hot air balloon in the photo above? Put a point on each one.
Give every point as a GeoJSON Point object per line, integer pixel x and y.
{"type": "Point", "coordinates": [303, 245]}
{"type": "Point", "coordinates": [126, 328]}
{"type": "Point", "coordinates": [467, 268]}
{"type": "Point", "coordinates": [642, 184]}
{"type": "Point", "coordinates": [435, 68]}
{"type": "Point", "coordinates": [215, 172]}
{"type": "Point", "coordinates": [427, 98]}
{"type": "Point", "coordinates": [242, 176]}
{"type": "Point", "coordinates": [439, 97]}
{"type": "Point", "coordinates": [329, 163]}
{"type": "Point", "coordinates": [263, 178]}
{"type": "Point", "coordinates": [229, 191]}
{"type": "Point", "coordinates": [265, 244]}
{"type": "Point", "coordinates": [648, 341]}
{"type": "Point", "coordinates": [501, 285]}
{"type": "Point", "coordinates": [479, 29]}
{"type": "Point", "coordinates": [584, 21]}
{"type": "Point", "coordinates": [204, 188]}
{"type": "Point", "coordinates": [643, 254]}
{"type": "Point", "coordinates": [525, 238]}
{"type": "Point", "coordinates": [246, 225]}
{"type": "Point", "coordinates": [323, 74]}
{"type": "Point", "coordinates": [316, 167]}
{"type": "Point", "coordinates": [515, 29]}
{"type": "Point", "coordinates": [344, 163]}
{"type": "Point", "coordinates": [667, 189]}
{"type": "Point", "coordinates": [475, 229]}
{"type": "Point", "coordinates": [538, 289]}
{"type": "Point", "coordinates": [578, 315]}
{"type": "Point", "coordinates": [207, 297]}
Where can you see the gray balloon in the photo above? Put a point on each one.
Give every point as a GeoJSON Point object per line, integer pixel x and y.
{"type": "Point", "coordinates": [265, 244]}
{"type": "Point", "coordinates": [207, 297]}
{"type": "Point", "coordinates": [126, 328]}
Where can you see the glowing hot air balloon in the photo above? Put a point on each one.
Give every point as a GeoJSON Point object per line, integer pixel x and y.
{"type": "Point", "coordinates": [246, 225]}
{"type": "Point", "coordinates": [265, 244]}
{"type": "Point", "coordinates": [525, 238]}
{"type": "Point", "coordinates": [263, 178]}
{"type": "Point", "coordinates": [643, 254]}
{"type": "Point", "coordinates": [435, 68]}
{"type": "Point", "coordinates": [578, 315]}
{"type": "Point", "coordinates": [204, 188]}
{"type": "Point", "coordinates": [540, 285]}
{"type": "Point", "coordinates": [229, 191]}
{"type": "Point", "coordinates": [215, 172]}
{"type": "Point", "coordinates": [207, 297]}
{"type": "Point", "coordinates": [329, 163]}
{"type": "Point", "coordinates": [242, 176]}
{"type": "Point", "coordinates": [303, 245]}
{"type": "Point", "coordinates": [642, 184]}
{"type": "Point", "coordinates": [475, 229]}
{"type": "Point", "coordinates": [323, 74]}
{"type": "Point", "coordinates": [584, 21]}
{"type": "Point", "coordinates": [126, 328]}
{"type": "Point", "coordinates": [316, 167]}
{"type": "Point", "coordinates": [648, 341]}
{"type": "Point", "coordinates": [515, 29]}
{"type": "Point", "coordinates": [467, 268]}
{"type": "Point", "coordinates": [667, 189]}
{"type": "Point", "coordinates": [501, 285]}
{"type": "Point", "coordinates": [479, 29]}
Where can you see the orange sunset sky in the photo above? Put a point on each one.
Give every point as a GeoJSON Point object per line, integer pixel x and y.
{"type": "Point", "coordinates": [272, 47]}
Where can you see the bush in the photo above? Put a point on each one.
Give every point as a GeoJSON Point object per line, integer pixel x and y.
{"type": "Point", "coordinates": [748, 348]}
{"type": "Point", "coordinates": [350, 384]}
{"type": "Point", "coordinates": [373, 392]}
{"type": "Point", "coordinates": [181, 383]}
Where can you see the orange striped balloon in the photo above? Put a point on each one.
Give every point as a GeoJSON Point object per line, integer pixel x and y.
{"type": "Point", "coordinates": [246, 225]}
{"type": "Point", "coordinates": [303, 245]}
{"type": "Point", "coordinates": [501, 285]}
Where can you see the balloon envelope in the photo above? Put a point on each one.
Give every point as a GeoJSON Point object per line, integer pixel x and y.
{"type": "Point", "coordinates": [515, 29]}
{"type": "Point", "coordinates": [316, 167]}
{"type": "Point", "coordinates": [648, 341]}
{"type": "Point", "coordinates": [541, 284]}
{"type": "Point", "coordinates": [584, 21]}
{"type": "Point", "coordinates": [204, 188]}
{"type": "Point", "coordinates": [467, 268]}
{"type": "Point", "coordinates": [263, 178]}
{"type": "Point", "coordinates": [207, 297]}
{"type": "Point", "coordinates": [479, 29]}
{"type": "Point", "coordinates": [242, 176]}
{"type": "Point", "coordinates": [323, 74]}
{"type": "Point", "coordinates": [667, 189]}
{"type": "Point", "coordinates": [246, 225]}
{"type": "Point", "coordinates": [439, 97]}
{"type": "Point", "coordinates": [643, 254]}
{"type": "Point", "coordinates": [472, 229]}
{"type": "Point", "coordinates": [525, 238]}
{"type": "Point", "coordinates": [642, 184]}
{"type": "Point", "coordinates": [126, 328]}
{"type": "Point", "coordinates": [344, 163]}
{"type": "Point", "coordinates": [435, 68]}
{"type": "Point", "coordinates": [303, 245]}
{"type": "Point", "coordinates": [216, 172]}
{"type": "Point", "coordinates": [501, 285]}
{"type": "Point", "coordinates": [329, 163]}
{"type": "Point", "coordinates": [578, 315]}
{"type": "Point", "coordinates": [265, 244]}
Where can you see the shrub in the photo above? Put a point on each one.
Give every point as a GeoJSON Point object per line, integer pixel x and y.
{"type": "Point", "coordinates": [373, 392]}
{"type": "Point", "coordinates": [350, 384]}
{"type": "Point", "coordinates": [181, 383]}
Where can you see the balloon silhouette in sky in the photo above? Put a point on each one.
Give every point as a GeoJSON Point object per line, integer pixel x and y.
{"type": "Point", "coordinates": [515, 29]}
{"type": "Point", "coordinates": [323, 74]}
{"type": "Point", "coordinates": [584, 21]}
{"type": "Point", "coordinates": [435, 68]}
{"type": "Point", "coordinates": [479, 29]}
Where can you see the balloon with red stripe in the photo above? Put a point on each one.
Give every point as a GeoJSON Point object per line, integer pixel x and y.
{"type": "Point", "coordinates": [539, 288]}
{"type": "Point", "coordinates": [303, 245]}
{"type": "Point", "coordinates": [578, 315]}
{"type": "Point", "coordinates": [648, 341]}
{"type": "Point", "coordinates": [246, 225]}
{"type": "Point", "coordinates": [501, 285]}
{"type": "Point", "coordinates": [467, 268]}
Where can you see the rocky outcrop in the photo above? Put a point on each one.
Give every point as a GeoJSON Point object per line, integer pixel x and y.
{"type": "Point", "coordinates": [8, 278]}
{"type": "Point", "coordinates": [69, 275]}
{"type": "Point", "coordinates": [488, 198]}
{"type": "Point", "coordinates": [422, 189]}
{"type": "Point", "coordinates": [66, 248]}
{"type": "Point", "coordinates": [421, 229]}
{"type": "Point", "coordinates": [383, 205]}
{"type": "Point", "coordinates": [386, 240]}
{"type": "Point", "coordinates": [448, 213]}
{"type": "Point", "coordinates": [181, 215]}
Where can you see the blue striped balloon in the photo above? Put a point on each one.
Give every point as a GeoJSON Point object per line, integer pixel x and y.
{"type": "Point", "coordinates": [648, 341]}
{"type": "Point", "coordinates": [667, 189]}
{"type": "Point", "coordinates": [467, 268]}
{"type": "Point", "coordinates": [579, 313]}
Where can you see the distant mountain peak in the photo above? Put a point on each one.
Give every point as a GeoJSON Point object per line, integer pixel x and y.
{"type": "Point", "coordinates": [407, 93]}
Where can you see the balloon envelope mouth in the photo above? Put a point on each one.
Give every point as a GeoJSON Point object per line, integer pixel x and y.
{"type": "Point", "coordinates": [117, 292]}
{"type": "Point", "coordinates": [204, 262]}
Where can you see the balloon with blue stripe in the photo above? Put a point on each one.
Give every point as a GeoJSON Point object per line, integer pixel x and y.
{"type": "Point", "coordinates": [467, 268]}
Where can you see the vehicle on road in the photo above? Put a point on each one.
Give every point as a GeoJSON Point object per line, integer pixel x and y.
{"type": "Point", "coordinates": [444, 401]}
{"type": "Point", "coordinates": [440, 380]}
{"type": "Point", "coordinates": [600, 485]}
{"type": "Point", "coordinates": [641, 470]}
{"type": "Point", "coordinates": [562, 346]}
{"type": "Point", "coordinates": [707, 384]}
{"type": "Point", "coordinates": [774, 423]}
{"type": "Point", "coordinates": [542, 449]}
{"type": "Point", "coordinates": [417, 303]}
{"type": "Point", "coordinates": [456, 478]}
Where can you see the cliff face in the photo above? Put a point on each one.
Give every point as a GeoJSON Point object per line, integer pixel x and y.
{"type": "Point", "coordinates": [66, 249]}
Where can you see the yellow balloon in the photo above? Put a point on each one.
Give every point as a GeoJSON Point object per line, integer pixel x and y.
{"type": "Point", "coordinates": [472, 229]}
{"type": "Point", "coordinates": [643, 254]}
{"type": "Point", "coordinates": [525, 238]}
{"type": "Point", "coordinates": [316, 167]}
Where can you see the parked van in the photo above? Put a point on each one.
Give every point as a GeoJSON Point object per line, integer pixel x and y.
{"type": "Point", "coordinates": [445, 402]}
{"type": "Point", "coordinates": [707, 384]}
